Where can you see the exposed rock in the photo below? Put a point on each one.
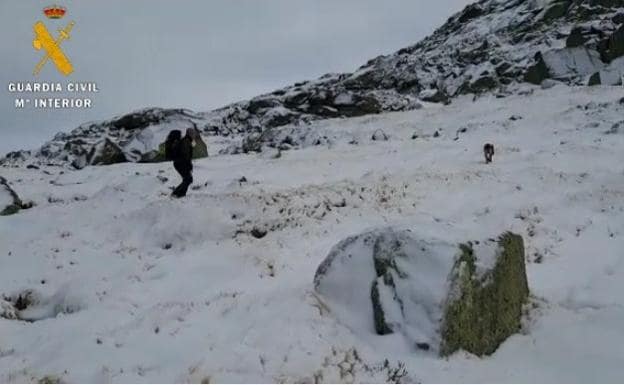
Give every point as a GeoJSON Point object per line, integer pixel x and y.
{"type": "Point", "coordinates": [258, 104]}
{"type": "Point", "coordinates": [106, 153]}
{"type": "Point", "coordinates": [483, 84]}
{"type": "Point", "coordinates": [485, 308]}
{"type": "Point", "coordinates": [258, 233]}
{"type": "Point", "coordinates": [556, 11]}
{"type": "Point", "coordinates": [10, 203]}
{"type": "Point", "coordinates": [8, 310]}
{"type": "Point", "coordinates": [252, 143]}
{"type": "Point", "coordinates": [615, 45]}
{"type": "Point", "coordinates": [618, 18]}
{"type": "Point", "coordinates": [594, 80]}
{"type": "Point", "coordinates": [434, 96]}
{"type": "Point", "coordinates": [576, 38]}
{"type": "Point", "coordinates": [470, 12]}
{"type": "Point", "coordinates": [143, 118]}
{"type": "Point", "coordinates": [379, 135]}
{"type": "Point", "coordinates": [538, 72]}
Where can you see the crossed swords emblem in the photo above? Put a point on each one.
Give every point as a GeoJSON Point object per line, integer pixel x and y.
{"type": "Point", "coordinates": [52, 48]}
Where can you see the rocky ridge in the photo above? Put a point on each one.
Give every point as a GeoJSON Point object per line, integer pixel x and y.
{"type": "Point", "coordinates": [491, 46]}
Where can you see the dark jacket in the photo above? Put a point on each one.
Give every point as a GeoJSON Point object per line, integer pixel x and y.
{"type": "Point", "coordinates": [183, 153]}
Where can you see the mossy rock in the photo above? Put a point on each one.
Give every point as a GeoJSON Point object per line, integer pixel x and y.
{"type": "Point", "coordinates": [200, 150]}
{"type": "Point", "coordinates": [485, 310]}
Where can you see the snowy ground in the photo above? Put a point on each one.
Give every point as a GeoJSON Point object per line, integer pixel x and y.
{"type": "Point", "coordinates": [136, 287]}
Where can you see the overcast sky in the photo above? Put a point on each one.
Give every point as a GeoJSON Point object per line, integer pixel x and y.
{"type": "Point", "coordinates": [199, 54]}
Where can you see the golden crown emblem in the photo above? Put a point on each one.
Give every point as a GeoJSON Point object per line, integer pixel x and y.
{"type": "Point", "coordinates": [54, 11]}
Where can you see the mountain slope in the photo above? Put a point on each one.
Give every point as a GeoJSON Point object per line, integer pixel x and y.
{"type": "Point", "coordinates": [120, 283]}
{"type": "Point", "coordinates": [491, 46]}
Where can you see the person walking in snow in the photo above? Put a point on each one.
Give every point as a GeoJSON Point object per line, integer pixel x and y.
{"type": "Point", "coordinates": [180, 150]}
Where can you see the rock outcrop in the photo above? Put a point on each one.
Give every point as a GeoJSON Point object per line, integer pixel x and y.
{"type": "Point", "coordinates": [440, 296]}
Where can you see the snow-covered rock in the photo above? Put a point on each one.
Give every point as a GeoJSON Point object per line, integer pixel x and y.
{"type": "Point", "coordinates": [610, 75]}
{"type": "Point", "coordinates": [567, 63]}
{"type": "Point", "coordinates": [389, 281]}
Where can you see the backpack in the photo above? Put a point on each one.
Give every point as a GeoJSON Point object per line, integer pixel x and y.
{"type": "Point", "coordinates": [172, 143]}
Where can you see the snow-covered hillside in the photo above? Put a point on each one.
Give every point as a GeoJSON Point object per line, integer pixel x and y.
{"type": "Point", "coordinates": [491, 46]}
{"type": "Point", "coordinates": [129, 285]}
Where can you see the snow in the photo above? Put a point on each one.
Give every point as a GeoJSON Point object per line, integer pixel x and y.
{"type": "Point", "coordinates": [344, 98]}
{"type": "Point", "coordinates": [487, 252]}
{"type": "Point", "coordinates": [132, 286]}
{"type": "Point", "coordinates": [428, 93]}
{"type": "Point", "coordinates": [612, 75]}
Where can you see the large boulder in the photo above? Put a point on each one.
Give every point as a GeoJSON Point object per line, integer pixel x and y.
{"type": "Point", "coordinates": [430, 292]}
{"type": "Point", "coordinates": [10, 203]}
{"type": "Point", "coordinates": [564, 64]}
{"type": "Point", "coordinates": [567, 63]}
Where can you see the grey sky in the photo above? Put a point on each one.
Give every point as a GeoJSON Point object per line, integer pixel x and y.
{"type": "Point", "coordinates": [197, 54]}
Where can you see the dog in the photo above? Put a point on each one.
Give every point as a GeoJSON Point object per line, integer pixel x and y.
{"type": "Point", "coordinates": [488, 151]}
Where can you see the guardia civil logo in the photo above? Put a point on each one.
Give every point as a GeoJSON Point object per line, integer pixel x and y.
{"type": "Point", "coordinates": [51, 47]}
